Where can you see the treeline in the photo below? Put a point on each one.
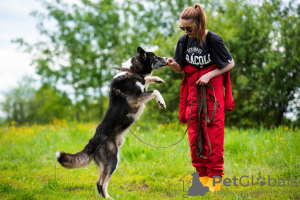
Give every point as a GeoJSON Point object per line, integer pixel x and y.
{"type": "Point", "coordinates": [91, 37]}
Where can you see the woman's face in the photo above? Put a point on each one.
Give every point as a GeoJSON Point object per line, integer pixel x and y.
{"type": "Point", "coordinates": [189, 25]}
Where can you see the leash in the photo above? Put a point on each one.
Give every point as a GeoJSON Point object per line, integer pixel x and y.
{"type": "Point", "coordinates": [202, 103]}
{"type": "Point", "coordinates": [157, 146]}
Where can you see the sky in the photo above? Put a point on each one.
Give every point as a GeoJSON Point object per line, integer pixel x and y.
{"type": "Point", "coordinates": [16, 22]}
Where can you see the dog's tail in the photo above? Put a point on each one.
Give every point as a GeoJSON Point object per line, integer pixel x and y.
{"type": "Point", "coordinates": [78, 160]}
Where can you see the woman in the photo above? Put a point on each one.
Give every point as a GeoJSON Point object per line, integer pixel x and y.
{"type": "Point", "coordinates": [204, 58]}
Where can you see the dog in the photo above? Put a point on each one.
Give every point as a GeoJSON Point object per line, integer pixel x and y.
{"type": "Point", "coordinates": [128, 93]}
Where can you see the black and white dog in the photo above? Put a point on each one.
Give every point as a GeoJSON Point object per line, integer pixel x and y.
{"type": "Point", "coordinates": [128, 93]}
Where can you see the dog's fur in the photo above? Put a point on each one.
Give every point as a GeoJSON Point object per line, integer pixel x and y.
{"type": "Point", "coordinates": [126, 103]}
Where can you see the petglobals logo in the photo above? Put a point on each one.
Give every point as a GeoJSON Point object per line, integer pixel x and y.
{"type": "Point", "coordinates": [261, 181]}
{"type": "Point", "coordinates": [197, 189]}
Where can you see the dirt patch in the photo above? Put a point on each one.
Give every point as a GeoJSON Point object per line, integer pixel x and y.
{"type": "Point", "coordinates": [73, 188]}
{"type": "Point", "coordinates": [144, 187]}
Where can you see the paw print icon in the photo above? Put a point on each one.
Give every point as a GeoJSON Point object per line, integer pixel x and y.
{"type": "Point", "coordinates": [261, 181]}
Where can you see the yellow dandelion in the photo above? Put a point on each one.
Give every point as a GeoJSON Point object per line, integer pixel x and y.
{"type": "Point", "coordinates": [267, 153]}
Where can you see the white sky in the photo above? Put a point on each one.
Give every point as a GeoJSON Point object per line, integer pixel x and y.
{"type": "Point", "coordinates": [15, 22]}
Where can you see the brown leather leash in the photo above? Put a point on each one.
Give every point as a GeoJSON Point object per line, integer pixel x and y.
{"type": "Point", "coordinates": [202, 102]}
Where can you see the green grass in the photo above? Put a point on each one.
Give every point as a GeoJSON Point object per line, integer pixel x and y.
{"type": "Point", "coordinates": [28, 168]}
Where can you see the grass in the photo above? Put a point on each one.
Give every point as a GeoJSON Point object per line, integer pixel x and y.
{"type": "Point", "coordinates": [28, 168]}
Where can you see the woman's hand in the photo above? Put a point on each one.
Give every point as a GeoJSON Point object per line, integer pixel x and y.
{"type": "Point", "coordinates": [172, 63]}
{"type": "Point", "coordinates": [203, 80]}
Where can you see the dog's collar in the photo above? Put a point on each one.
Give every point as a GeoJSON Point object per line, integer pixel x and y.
{"type": "Point", "coordinates": [126, 70]}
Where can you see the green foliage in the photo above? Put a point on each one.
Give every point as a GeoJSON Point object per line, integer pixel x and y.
{"type": "Point", "coordinates": [265, 77]}
{"type": "Point", "coordinates": [25, 104]}
{"type": "Point", "coordinates": [50, 103]}
{"type": "Point", "coordinates": [93, 36]}
{"type": "Point", "coordinates": [18, 102]}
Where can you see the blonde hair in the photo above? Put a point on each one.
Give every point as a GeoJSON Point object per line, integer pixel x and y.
{"type": "Point", "coordinates": [197, 14]}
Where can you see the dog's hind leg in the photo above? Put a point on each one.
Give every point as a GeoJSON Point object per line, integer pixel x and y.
{"type": "Point", "coordinates": [106, 157]}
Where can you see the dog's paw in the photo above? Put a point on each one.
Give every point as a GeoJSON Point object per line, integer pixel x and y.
{"type": "Point", "coordinates": [162, 103]}
{"type": "Point", "coordinates": [159, 99]}
{"type": "Point", "coordinates": [159, 80]}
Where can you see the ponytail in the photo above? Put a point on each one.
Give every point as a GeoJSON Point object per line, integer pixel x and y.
{"type": "Point", "coordinates": [197, 14]}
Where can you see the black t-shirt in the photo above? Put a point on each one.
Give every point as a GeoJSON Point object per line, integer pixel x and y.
{"type": "Point", "coordinates": [201, 57]}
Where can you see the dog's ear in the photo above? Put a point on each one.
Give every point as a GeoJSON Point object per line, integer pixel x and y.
{"type": "Point", "coordinates": [142, 53]}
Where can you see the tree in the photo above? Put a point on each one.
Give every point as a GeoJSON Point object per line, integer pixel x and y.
{"type": "Point", "coordinates": [25, 104]}
{"type": "Point", "coordinates": [18, 104]}
{"type": "Point", "coordinates": [93, 36]}
{"type": "Point", "coordinates": [51, 103]}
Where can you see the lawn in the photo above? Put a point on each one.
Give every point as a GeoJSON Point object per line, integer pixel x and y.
{"type": "Point", "coordinates": [28, 167]}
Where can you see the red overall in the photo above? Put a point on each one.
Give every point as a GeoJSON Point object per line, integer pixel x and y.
{"type": "Point", "coordinates": [212, 166]}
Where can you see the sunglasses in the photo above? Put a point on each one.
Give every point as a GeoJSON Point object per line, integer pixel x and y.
{"type": "Point", "coordinates": [188, 29]}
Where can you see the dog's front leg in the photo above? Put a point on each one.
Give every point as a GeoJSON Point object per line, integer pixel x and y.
{"type": "Point", "coordinates": [153, 79]}
{"type": "Point", "coordinates": [146, 96]}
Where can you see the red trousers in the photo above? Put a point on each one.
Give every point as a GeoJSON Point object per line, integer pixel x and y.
{"type": "Point", "coordinates": [212, 166]}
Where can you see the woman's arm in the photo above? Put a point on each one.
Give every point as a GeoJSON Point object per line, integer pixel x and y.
{"type": "Point", "coordinates": [203, 80]}
{"type": "Point", "coordinates": [172, 63]}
